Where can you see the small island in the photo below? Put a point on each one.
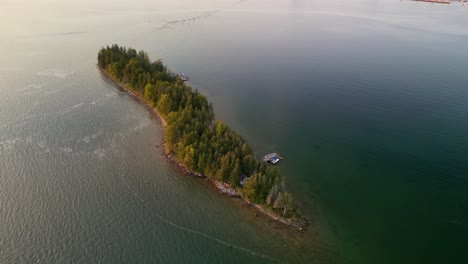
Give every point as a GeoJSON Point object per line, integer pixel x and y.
{"type": "Point", "coordinates": [194, 140]}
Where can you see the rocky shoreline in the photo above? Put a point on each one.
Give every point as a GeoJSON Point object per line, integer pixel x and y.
{"type": "Point", "coordinates": [220, 186]}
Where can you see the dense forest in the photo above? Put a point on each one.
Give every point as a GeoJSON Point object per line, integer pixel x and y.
{"type": "Point", "coordinates": [192, 135]}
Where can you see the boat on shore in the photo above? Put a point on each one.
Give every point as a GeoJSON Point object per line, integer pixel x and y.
{"type": "Point", "coordinates": [272, 158]}
{"type": "Point", "coordinates": [183, 77]}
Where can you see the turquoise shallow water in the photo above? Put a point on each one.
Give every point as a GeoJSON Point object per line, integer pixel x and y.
{"type": "Point", "coordinates": [366, 100]}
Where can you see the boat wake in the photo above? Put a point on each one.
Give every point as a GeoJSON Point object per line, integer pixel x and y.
{"type": "Point", "coordinates": [63, 73]}
{"type": "Point", "coordinates": [188, 230]}
{"type": "Point", "coordinates": [191, 19]}
{"type": "Point", "coordinates": [58, 73]}
{"type": "Point", "coordinates": [239, 2]}
{"type": "Point", "coordinates": [458, 222]}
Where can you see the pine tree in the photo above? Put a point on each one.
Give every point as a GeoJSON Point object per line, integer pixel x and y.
{"type": "Point", "coordinates": [234, 178]}
{"type": "Point", "coordinates": [272, 195]}
{"type": "Point", "coordinates": [279, 201]}
{"type": "Point", "coordinates": [150, 92]}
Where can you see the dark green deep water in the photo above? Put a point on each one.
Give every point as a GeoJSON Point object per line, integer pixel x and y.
{"type": "Point", "coordinates": [366, 100]}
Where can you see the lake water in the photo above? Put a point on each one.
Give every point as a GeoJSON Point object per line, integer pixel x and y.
{"type": "Point", "coordinates": [366, 100]}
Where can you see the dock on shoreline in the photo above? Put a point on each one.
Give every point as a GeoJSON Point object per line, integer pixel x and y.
{"type": "Point", "coordinates": [272, 158]}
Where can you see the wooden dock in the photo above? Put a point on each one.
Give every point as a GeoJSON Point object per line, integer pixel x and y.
{"type": "Point", "coordinates": [272, 158]}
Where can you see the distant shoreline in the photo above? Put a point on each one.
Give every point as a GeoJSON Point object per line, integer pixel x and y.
{"type": "Point", "coordinates": [221, 187]}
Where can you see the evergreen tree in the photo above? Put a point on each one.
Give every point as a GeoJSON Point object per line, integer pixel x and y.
{"type": "Point", "coordinates": [151, 93]}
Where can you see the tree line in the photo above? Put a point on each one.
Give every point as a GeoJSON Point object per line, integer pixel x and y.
{"type": "Point", "coordinates": [192, 134]}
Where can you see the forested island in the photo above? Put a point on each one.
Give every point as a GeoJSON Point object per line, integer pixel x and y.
{"type": "Point", "coordinates": [192, 136]}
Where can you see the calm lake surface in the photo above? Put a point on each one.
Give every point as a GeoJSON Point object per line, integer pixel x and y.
{"type": "Point", "coordinates": [366, 100]}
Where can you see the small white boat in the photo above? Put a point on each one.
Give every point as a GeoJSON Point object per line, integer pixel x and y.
{"type": "Point", "coordinates": [183, 77]}
{"type": "Point", "coordinates": [272, 158]}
